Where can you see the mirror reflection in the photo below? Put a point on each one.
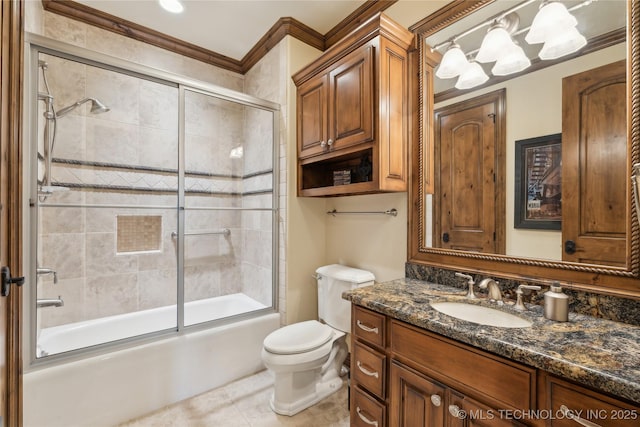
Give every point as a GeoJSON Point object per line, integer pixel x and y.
{"type": "Point", "coordinates": [531, 152]}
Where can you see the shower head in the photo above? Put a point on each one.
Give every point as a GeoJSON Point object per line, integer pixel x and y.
{"type": "Point", "coordinates": [97, 107]}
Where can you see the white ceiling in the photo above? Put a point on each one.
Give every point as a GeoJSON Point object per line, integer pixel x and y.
{"type": "Point", "coordinates": [233, 27]}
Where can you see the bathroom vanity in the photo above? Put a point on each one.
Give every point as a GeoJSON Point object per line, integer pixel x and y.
{"type": "Point", "coordinates": [414, 366]}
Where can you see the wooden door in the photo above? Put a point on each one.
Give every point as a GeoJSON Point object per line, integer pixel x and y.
{"type": "Point", "coordinates": [415, 400]}
{"type": "Point", "coordinates": [594, 157]}
{"type": "Point", "coordinates": [469, 197]}
{"type": "Point", "coordinates": [312, 116]}
{"type": "Point", "coordinates": [11, 72]}
{"type": "Point", "coordinates": [351, 99]}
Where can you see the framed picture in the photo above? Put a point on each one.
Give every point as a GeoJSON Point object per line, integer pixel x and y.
{"type": "Point", "coordinates": [538, 183]}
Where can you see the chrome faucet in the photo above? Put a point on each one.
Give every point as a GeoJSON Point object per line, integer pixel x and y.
{"type": "Point", "coordinates": [519, 304]}
{"type": "Point", "coordinates": [45, 270]}
{"type": "Point", "coordinates": [494, 289]}
{"type": "Point", "coordinates": [50, 302]}
{"type": "Point", "coordinates": [470, 282]}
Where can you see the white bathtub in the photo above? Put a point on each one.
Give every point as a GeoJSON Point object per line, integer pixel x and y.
{"type": "Point", "coordinates": [111, 388]}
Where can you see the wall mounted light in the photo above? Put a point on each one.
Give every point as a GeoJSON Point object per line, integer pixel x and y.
{"type": "Point", "coordinates": [552, 25]}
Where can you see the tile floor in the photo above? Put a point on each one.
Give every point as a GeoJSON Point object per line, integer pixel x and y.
{"type": "Point", "coordinates": [245, 403]}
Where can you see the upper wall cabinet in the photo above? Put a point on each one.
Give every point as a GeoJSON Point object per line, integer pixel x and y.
{"type": "Point", "coordinates": [353, 113]}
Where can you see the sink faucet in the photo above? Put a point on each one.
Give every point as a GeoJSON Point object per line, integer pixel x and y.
{"type": "Point", "coordinates": [494, 289]}
{"type": "Point", "coordinates": [49, 302]}
{"type": "Point", "coordinates": [470, 282]}
{"type": "Point", "coordinates": [44, 270]}
{"type": "Point", "coordinates": [519, 304]}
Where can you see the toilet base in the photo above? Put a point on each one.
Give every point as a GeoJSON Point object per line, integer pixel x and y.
{"type": "Point", "coordinates": [322, 390]}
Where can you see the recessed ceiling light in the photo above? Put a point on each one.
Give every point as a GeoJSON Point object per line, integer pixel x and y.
{"type": "Point", "coordinates": [173, 6]}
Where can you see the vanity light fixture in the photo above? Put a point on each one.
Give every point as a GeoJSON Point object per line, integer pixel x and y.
{"type": "Point", "coordinates": [173, 6]}
{"type": "Point", "coordinates": [553, 25]}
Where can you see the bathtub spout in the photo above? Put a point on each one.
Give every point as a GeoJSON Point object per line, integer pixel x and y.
{"type": "Point", "coordinates": [50, 302]}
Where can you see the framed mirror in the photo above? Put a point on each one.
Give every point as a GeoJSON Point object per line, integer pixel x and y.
{"type": "Point", "coordinates": [551, 181]}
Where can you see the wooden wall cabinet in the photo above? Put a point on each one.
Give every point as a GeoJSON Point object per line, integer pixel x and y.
{"type": "Point", "coordinates": [404, 376]}
{"type": "Point", "coordinates": [353, 113]}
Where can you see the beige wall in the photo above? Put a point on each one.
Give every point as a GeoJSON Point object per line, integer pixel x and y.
{"type": "Point", "coordinates": [533, 113]}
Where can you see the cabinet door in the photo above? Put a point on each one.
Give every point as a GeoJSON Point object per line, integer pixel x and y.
{"type": "Point", "coordinates": [415, 400]}
{"type": "Point", "coordinates": [312, 116]}
{"type": "Point", "coordinates": [351, 100]}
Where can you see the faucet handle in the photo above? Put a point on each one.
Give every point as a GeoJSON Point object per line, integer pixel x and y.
{"type": "Point", "coordinates": [519, 304]}
{"type": "Point", "coordinates": [470, 282]}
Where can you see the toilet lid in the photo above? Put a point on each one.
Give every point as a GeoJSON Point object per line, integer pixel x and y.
{"type": "Point", "coordinates": [298, 338]}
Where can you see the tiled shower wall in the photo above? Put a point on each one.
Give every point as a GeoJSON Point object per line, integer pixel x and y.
{"type": "Point", "coordinates": [140, 132]}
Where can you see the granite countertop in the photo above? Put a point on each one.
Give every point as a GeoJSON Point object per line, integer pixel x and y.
{"type": "Point", "coordinates": [595, 352]}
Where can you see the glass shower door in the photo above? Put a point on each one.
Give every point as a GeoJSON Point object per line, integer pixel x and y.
{"type": "Point", "coordinates": [229, 208]}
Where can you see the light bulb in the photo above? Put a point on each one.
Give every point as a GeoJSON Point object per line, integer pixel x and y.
{"type": "Point", "coordinates": [453, 63]}
{"type": "Point", "coordinates": [472, 76]}
{"type": "Point", "coordinates": [551, 19]}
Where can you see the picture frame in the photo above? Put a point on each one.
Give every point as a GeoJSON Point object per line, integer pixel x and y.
{"type": "Point", "coordinates": [538, 183]}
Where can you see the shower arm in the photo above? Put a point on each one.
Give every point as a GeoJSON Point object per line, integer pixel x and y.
{"type": "Point", "coordinates": [72, 107]}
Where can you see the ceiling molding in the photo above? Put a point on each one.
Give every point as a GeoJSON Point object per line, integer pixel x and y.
{"type": "Point", "coordinates": [447, 15]}
{"type": "Point", "coordinates": [282, 28]}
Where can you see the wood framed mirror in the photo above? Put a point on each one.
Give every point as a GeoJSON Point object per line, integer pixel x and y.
{"type": "Point", "coordinates": [593, 272]}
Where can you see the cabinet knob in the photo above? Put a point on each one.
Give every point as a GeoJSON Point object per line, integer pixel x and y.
{"type": "Point", "coordinates": [455, 411]}
{"type": "Point", "coordinates": [436, 400]}
{"type": "Point", "coordinates": [330, 142]}
{"type": "Point", "coordinates": [365, 419]}
{"type": "Point", "coordinates": [323, 144]}
{"type": "Point", "coordinates": [573, 416]}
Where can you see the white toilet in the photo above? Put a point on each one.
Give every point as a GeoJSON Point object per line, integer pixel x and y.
{"type": "Point", "coordinates": [307, 357]}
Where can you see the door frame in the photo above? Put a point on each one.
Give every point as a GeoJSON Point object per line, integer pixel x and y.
{"type": "Point", "coordinates": [498, 99]}
{"type": "Point", "coordinates": [12, 29]}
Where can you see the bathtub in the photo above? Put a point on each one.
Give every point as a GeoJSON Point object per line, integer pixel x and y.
{"type": "Point", "coordinates": [111, 388]}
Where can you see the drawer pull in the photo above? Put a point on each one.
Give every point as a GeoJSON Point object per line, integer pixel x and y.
{"type": "Point", "coordinates": [436, 400]}
{"type": "Point", "coordinates": [366, 328]}
{"type": "Point", "coordinates": [572, 416]}
{"type": "Point", "coordinates": [456, 412]}
{"type": "Point", "coordinates": [365, 419]}
{"type": "Point", "coordinates": [323, 144]}
{"type": "Point", "coordinates": [366, 371]}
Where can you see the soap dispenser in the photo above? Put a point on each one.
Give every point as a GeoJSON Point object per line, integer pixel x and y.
{"type": "Point", "coordinates": [556, 304]}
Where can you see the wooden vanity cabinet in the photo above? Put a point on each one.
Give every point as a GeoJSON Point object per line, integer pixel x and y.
{"type": "Point", "coordinates": [405, 376]}
{"type": "Point", "coordinates": [353, 113]}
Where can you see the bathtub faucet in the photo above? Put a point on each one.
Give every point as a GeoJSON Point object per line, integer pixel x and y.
{"type": "Point", "coordinates": [50, 302]}
{"type": "Point", "coordinates": [45, 270]}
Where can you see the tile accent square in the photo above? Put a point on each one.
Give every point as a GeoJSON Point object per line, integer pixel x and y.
{"type": "Point", "coordinates": [139, 233]}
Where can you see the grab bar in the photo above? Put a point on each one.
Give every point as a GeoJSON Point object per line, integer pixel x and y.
{"type": "Point", "coordinates": [392, 212]}
{"type": "Point", "coordinates": [224, 231]}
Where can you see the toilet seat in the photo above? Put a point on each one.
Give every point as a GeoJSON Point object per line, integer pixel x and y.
{"type": "Point", "coordinates": [298, 338]}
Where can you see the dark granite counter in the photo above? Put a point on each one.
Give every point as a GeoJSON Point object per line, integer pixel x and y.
{"type": "Point", "coordinates": [595, 352]}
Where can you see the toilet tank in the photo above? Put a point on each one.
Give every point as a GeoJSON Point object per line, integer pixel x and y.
{"type": "Point", "coordinates": [333, 280]}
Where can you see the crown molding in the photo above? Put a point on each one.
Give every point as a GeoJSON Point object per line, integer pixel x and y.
{"type": "Point", "coordinates": [282, 28]}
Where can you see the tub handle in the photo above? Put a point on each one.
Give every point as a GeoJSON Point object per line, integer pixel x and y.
{"type": "Point", "coordinates": [366, 371]}
{"type": "Point", "coordinates": [366, 328]}
{"type": "Point", "coordinates": [365, 419]}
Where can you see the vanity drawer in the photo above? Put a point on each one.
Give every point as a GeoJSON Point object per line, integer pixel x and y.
{"type": "Point", "coordinates": [366, 411]}
{"type": "Point", "coordinates": [369, 369]}
{"type": "Point", "coordinates": [368, 326]}
{"type": "Point", "coordinates": [587, 404]}
{"type": "Point", "coordinates": [504, 383]}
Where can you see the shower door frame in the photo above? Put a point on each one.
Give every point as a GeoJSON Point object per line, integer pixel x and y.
{"type": "Point", "coordinates": [35, 44]}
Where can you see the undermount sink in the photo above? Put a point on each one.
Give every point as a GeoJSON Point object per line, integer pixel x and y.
{"type": "Point", "coordinates": [480, 314]}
